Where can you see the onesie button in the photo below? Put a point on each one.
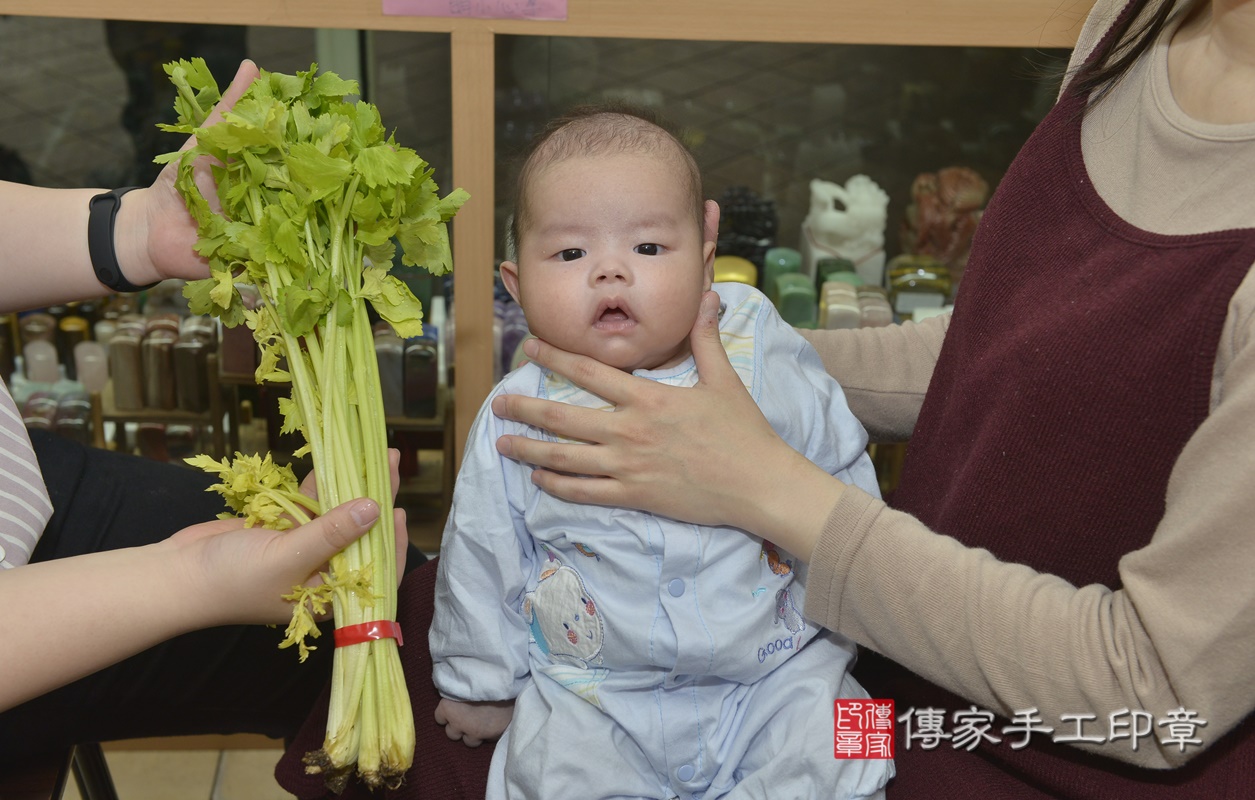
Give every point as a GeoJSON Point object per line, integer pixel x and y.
{"type": "Point", "coordinates": [676, 587]}
{"type": "Point", "coordinates": [685, 773]}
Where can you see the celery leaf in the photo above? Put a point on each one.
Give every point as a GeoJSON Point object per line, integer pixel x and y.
{"type": "Point", "coordinates": [393, 301]}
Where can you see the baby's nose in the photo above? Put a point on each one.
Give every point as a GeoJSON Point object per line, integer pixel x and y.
{"type": "Point", "coordinates": [610, 270]}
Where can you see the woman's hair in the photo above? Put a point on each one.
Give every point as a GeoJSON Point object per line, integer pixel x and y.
{"type": "Point", "coordinates": [598, 130]}
{"type": "Point", "coordinates": [1129, 41]}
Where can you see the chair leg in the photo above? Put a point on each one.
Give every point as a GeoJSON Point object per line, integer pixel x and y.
{"type": "Point", "coordinates": [91, 773]}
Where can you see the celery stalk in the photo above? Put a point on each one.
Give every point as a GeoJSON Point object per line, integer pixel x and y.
{"type": "Point", "coordinates": [315, 201]}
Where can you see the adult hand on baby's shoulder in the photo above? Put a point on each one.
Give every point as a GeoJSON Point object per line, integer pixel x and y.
{"type": "Point", "coordinates": [474, 723]}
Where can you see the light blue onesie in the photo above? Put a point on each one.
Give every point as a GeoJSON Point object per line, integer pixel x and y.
{"type": "Point", "coordinates": [650, 658]}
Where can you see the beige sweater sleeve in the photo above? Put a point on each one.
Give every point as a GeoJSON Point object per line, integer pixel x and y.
{"type": "Point", "coordinates": [1179, 634]}
{"type": "Point", "coordinates": [884, 372]}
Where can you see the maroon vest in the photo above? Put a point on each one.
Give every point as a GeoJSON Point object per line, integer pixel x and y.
{"type": "Point", "coordinates": [1077, 363]}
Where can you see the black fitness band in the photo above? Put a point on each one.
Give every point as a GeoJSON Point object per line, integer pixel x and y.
{"type": "Point", "coordinates": [102, 212]}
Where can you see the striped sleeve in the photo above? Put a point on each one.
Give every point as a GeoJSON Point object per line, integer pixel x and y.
{"type": "Point", "coordinates": [24, 504]}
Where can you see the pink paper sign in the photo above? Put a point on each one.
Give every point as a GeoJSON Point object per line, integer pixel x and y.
{"type": "Point", "coordinates": [483, 9]}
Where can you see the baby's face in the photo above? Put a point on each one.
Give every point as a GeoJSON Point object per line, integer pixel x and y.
{"type": "Point", "coordinates": [612, 263]}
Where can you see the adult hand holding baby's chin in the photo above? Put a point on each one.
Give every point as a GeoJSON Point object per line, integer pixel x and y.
{"type": "Point", "coordinates": [698, 454]}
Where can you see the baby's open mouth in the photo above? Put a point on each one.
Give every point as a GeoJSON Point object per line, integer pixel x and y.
{"type": "Point", "coordinates": [613, 312]}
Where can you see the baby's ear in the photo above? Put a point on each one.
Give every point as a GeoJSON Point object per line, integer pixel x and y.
{"type": "Point", "coordinates": [708, 265]}
{"type": "Point", "coordinates": [710, 221]}
{"type": "Point", "coordinates": [710, 236]}
{"type": "Point", "coordinates": [510, 277]}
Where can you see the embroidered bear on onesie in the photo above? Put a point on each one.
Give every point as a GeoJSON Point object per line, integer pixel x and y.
{"type": "Point", "coordinates": [563, 618]}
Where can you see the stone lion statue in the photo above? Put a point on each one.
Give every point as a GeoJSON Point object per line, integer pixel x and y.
{"type": "Point", "coordinates": [847, 221]}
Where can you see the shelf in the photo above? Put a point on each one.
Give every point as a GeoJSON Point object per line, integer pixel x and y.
{"type": "Point", "coordinates": [980, 23]}
{"type": "Point", "coordinates": [106, 410]}
{"type": "Point", "coordinates": [436, 422]}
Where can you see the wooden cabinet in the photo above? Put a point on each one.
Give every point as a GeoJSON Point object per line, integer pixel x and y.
{"type": "Point", "coordinates": [1001, 23]}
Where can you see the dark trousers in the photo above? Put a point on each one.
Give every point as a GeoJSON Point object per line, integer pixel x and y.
{"type": "Point", "coordinates": [221, 680]}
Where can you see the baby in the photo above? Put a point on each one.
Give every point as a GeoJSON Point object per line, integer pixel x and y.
{"type": "Point", "coordinates": [617, 653]}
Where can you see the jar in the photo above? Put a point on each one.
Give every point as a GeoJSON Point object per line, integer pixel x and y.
{"type": "Point", "coordinates": [71, 330]}
{"type": "Point", "coordinates": [91, 365]}
{"type": "Point", "coordinates": [734, 269]}
{"type": "Point", "coordinates": [126, 368]}
{"type": "Point", "coordinates": [778, 261]}
{"type": "Point", "coordinates": [796, 300]}
{"type": "Point", "coordinates": [37, 326]}
{"type": "Point", "coordinates": [190, 357]}
{"type": "Point", "coordinates": [389, 353]}
{"type": "Point", "coordinates": [835, 269]}
{"type": "Point", "coordinates": [157, 360]}
{"type": "Point", "coordinates": [420, 384]}
{"type": "Point", "coordinates": [918, 281]}
{"type": "Point", "coordinates": [73, 418]}
{"type": "Point", "coordinates": [838, 306]}
{"type": "Point", "coordinates": [41, 362]}
{"type": "Point", "coordinates": [874, 308]}
{"type": "Point", "coordinates": [40, 411]}
{"type": "Point", "coordinates": [8, 346]}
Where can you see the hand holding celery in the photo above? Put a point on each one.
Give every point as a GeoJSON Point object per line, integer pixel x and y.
{"type": "Point", "coordinates": [313, 200]}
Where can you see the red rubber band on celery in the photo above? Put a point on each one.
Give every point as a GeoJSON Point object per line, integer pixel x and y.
{"type": "Point", "coordinates": [368, 631]}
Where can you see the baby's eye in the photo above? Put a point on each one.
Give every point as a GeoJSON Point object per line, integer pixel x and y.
{"type": "Point", "coordinates": [571, 254]}
{"type": "Point", "coordinates": [647, 249]}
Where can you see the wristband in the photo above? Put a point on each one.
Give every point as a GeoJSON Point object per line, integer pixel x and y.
{"type": "Point", "coordinates": [366, 631]}
{"type": "Point", "coordinates": [101, 215]}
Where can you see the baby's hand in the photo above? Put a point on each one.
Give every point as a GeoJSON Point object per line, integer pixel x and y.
{"type": "Point", "coordinates": [474, 723]}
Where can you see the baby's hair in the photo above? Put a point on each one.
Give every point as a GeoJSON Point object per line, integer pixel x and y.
{"type": "Point", "coordinates": [595, 130]}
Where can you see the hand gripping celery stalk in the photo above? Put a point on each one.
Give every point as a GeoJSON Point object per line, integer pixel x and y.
{"type": "Point", "coordinates": [314, 200]}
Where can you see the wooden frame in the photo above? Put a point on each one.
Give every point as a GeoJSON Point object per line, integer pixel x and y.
{"type": "Point", "coordinates": [992, 23]}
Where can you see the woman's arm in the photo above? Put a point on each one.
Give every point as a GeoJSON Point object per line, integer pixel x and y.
{"type": "Point", "coordinates": [66, 618]}
{"type": "Point", "coordinates": [63, 619]}
{"type": "Point", "coordinates": [884, 372]}
{"type": "Point", "coordinates": [45, 259]}
{"type": "Point", "coordinates": [1179, 633]}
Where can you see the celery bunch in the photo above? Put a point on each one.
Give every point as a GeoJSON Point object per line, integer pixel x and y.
{"type": "Point", "coordinates": [314, 199]}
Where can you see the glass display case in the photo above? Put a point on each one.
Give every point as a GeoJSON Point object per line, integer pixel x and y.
{"type": "Point", "coordinates": [769, 117]}
{"type": "Point", "coordinates": [770, 96]}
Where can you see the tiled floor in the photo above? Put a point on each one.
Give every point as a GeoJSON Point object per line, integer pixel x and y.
{"type": "Point", "coordinates": [192, 775]}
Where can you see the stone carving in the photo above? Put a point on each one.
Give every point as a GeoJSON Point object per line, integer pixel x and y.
{"type": "Point", "coordinates": [847, 221]}
{"type": "Point", "coordinates": [945, 208]}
